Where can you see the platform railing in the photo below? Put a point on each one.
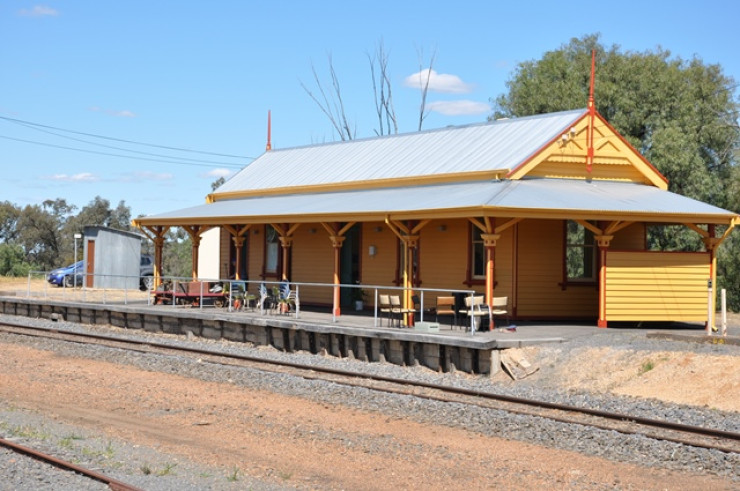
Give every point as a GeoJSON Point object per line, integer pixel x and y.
{"type": "Point", "coordinates": [249, 290]}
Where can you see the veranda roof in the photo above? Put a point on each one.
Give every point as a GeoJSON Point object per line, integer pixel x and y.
{"type": "Point", "coordinates": [528, 198]}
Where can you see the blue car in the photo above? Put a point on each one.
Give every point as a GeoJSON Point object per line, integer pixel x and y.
{"type": "Point", "coordinates": [63, 276]}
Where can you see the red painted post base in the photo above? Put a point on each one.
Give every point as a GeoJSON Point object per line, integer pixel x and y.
{"type": "Point", "coordinates": [602, 323]}
{"type": "Point", "coordinates": [337, 312]}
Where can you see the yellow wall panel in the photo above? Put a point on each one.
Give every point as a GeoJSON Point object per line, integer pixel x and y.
{"type": "Point", "coordinates": [255, 252]}
{"type": "Point", "coordinates": [540, 270]}
{"type": "Point", "coordinates": [312, 258]}
{"type": "Point", "coordinates": [444, 254]}
{"type": "Point", "coordinates": [504, 265]}
{"type": "Point", "coordinates": [224, 249]}
{"type": "Point", "coordinates": [381, 268]}
{"type": "Point", "coordinates": [631, 238]}
{"type": "Point", "coordinates": [559, 168]}
{"type": "Point", "coordinates": [656, 286]}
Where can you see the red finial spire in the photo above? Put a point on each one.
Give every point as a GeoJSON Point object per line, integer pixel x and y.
{"type": "Point", "coordinates": [269, 130]}
{"type": "Point", "coordinates": [592, 116]}
{"type": "Point", "coordinates": [593, 72]}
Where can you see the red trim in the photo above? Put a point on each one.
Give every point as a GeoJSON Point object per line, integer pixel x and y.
{"type": "Point", "coordinates": [602, 285]}
{"type": "Point", "coordinates": [606, 123]}
{"type": "Point", "coordinates": [543, 147]}
{"type": "Point", "coordinates": [268, 147]}
{"type": "Point", "coordinates": [629, 145]}
{"type": "Point", "coordinates": [515, 276]}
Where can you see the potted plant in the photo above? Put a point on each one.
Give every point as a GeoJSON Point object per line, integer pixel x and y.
{"type": "Point", "coordinates": [358, 295]}
{"type": "Point", "coordinates": [283, 305]}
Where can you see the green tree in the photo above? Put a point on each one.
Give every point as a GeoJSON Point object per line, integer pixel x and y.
{"type": "Point", "coordinates": [217, 183]}
{"type": "Point", "coordinates": [13, 261]}
{"type": "Point", "coordinates": [40, 232]}
{"type": "Point", "coordinates": [177, 254]}
{"type": "Point", "coordinates": [680, 114]}
{"type": "Point", "coordinates": [9, 215]}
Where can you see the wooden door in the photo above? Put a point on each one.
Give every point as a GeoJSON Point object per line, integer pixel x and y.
{"type": "Point", "coordinates": [90, 264]}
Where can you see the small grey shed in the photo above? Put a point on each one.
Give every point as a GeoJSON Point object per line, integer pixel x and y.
{"type": "Point", "coordinates": [112, 257]}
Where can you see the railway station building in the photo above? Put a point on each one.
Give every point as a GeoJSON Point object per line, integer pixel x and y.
{"type": "Point", "coordinates": [551, 211]}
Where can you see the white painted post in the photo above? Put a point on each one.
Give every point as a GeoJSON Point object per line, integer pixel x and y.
{"type": "Point", "coordinates": [200, 301]}
{"type": "Point", "coordinates": [724, 312]}
{"type": "Point", "coordinates": [375, 308]}
{"type": "Point", "coordinates": [709, 307]}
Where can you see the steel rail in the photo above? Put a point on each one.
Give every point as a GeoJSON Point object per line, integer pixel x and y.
{"type": "Point", "coordinates": [114, 484]}
{"type": "Point", "coordinates": [608, 415]}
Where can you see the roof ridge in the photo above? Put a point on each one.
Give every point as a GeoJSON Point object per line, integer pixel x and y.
{"type": "Point", "coordinates": [500, 121]}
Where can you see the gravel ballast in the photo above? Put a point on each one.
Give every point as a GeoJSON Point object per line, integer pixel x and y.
{"type": "Point", "coordinates": [146, 468]}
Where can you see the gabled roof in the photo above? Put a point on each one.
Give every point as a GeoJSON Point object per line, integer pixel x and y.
{"type": "Point", "coordinates": [614, 158]}
{"type": "Point", "coordinates": [531, 167]}
{"type": "Point", "coordinates": [473, 151]}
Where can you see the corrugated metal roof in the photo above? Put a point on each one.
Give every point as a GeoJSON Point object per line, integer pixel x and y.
{"type": "Point", "coordinates": [531, 195]}
{"type": "Point", "coordinates": [502, 144]}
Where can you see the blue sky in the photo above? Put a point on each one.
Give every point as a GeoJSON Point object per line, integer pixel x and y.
{"type": "Point", "coordinates": [202, 76]}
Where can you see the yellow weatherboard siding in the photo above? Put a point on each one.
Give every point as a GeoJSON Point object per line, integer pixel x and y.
{"type": "Point", "coordinates": [379, 269]}
{"type": "Point", "coordinates": [614, 159]}
{"type": "Point", "coordinates": [444, 255]}
{"type": "Point", "coordinates": [224, 250]}
{"type": "Point", "coordinates": [664, 286]}
{"type": "Point", "coordinates": [631, 238]}
{"type": "Point", "coordinates": [540, 275]}
{"type": "Point", "coordinates": [312, 261]}
{"type": "Point", "coordinates": [503, 264]}
{"type": "Point", "coordinates": [256, 254]}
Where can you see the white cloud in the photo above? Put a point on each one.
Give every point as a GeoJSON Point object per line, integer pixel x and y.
{"type": "Point", "coordinates": [149, 176]}
{"type": "Point", "coordinates": [110, 112]}
{"type": "Point", "coordinates": [217, 173]}
{"type": "Point", "coordinates": [81, 177]}
{"type": "Point", "coordinates": [438, 82]}
{"type": "Point", "coordinates": [459, 108]}
{"type": "Point", "coordinates": [39, 11]}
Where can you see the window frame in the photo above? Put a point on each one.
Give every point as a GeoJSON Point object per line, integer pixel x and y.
{"type": "Point", "coordinates": [266, 273]}
{"type": "Point", "coordinates": [589, 243]}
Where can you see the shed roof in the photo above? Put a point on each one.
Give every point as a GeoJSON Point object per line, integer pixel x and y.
{"type": "Point", "coordinates": [502, 144]}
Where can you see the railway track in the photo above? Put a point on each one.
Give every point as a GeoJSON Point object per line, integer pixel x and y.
{"type": "Point", "coordinates": [113, 484]}
{"type": "Point", "coordinates": [695, 436]}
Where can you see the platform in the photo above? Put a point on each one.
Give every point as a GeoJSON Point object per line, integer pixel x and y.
{"type": "Point", "coordinates": [354, 335]}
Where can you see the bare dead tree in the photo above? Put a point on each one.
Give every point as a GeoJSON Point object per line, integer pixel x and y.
{"type": "Point", "coordinates": [382, 92]}
{"type": "Point", "coordinates": [424, 83]}
{"type": "Point", "coordinates": [331, 105]}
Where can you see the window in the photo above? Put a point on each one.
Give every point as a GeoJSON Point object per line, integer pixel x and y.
{"type": "Point", "coordinates": [272, 250]}
{"type": "Point", "coordinates": [580, 253]}
{"type": "Point", "coordinates": [477, 254]}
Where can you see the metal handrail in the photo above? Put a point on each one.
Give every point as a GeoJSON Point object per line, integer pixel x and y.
{"type": "Point", "coordinates": [296, 285]}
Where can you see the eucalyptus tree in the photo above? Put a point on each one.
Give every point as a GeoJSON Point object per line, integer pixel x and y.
{"type": "Point", "coordinates": [680, 114]}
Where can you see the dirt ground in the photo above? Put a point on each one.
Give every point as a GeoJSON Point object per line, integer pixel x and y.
{"type": "Point", "coordinates": [696, 379]}
{"type": "Point", "coordinates": [294, 442]}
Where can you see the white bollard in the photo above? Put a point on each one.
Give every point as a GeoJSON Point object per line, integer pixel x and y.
{"type": "Point", "coordinates": [709, 308]}
{"type": "Point", "coordinates": [724, 312]}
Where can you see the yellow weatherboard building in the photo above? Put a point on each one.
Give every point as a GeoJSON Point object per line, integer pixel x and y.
{"type": "Point", "coordinates": [551, 211]}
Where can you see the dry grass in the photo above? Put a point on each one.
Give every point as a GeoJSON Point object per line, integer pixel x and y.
{"type": "Point", "coordinates": [39, 288]}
